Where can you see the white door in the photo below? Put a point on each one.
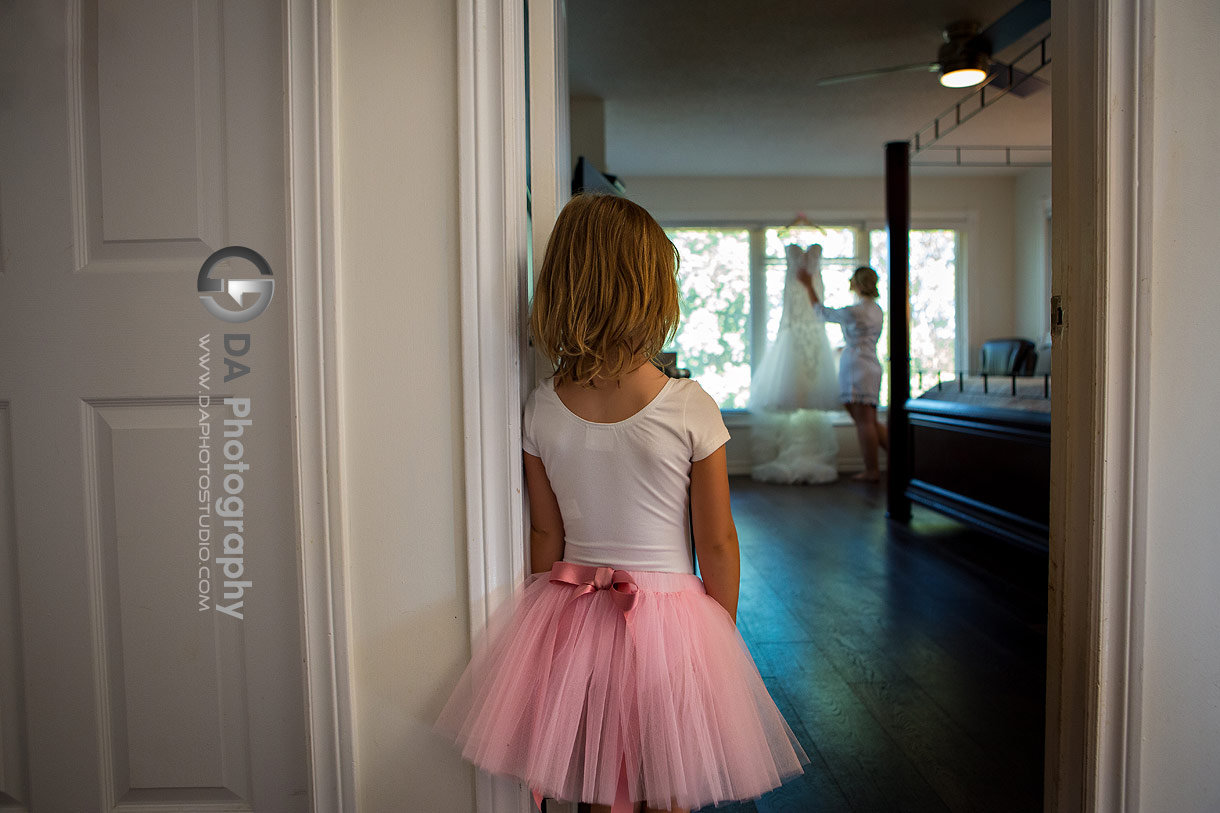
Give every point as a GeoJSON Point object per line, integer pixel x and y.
{"type": "Point", "coordinates": [136, 138]}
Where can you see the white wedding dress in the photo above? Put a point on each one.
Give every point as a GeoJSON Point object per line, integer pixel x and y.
{"type": "Point", "coordinates": [794, 387]}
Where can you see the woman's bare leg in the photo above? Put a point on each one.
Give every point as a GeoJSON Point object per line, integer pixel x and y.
{"type": "Point", "coordinates": [865, 418]}
{"type": "Point", "coordinates": [883, 432]}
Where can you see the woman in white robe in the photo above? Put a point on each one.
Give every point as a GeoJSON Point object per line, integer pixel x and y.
{"type": "Point", "coordinates": [859, 367]}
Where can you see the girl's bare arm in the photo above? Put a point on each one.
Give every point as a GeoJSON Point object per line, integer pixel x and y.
{"type": "Point", "coordinates": [546, 523]}
{"type": "Point", "coordinates": [715, 534]}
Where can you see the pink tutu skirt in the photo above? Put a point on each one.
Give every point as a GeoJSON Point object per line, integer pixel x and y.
{"type": "Point", "coordinates": [598, 684]}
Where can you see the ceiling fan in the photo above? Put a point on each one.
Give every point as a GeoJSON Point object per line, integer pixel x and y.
{"type": "Point", "coordinates": [964, 60]}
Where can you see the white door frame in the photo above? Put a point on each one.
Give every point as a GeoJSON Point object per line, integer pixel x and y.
{"type": "Point", "coordinates": [1099, 442]}
{"type": "Point", "coordinates": [1100, 366]}
{"type": "Point", "coordinates": [313, 262]}
{"type": "Point", "coordinates": [494, 240]}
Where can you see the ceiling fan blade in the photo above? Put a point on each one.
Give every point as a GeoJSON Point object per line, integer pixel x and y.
{"type": "Point", "coordinates": [1023, 84]}
{"type": "Point", "coordinates": [1016, 23]}
{"type": "Point", "coordinates": [851, 77]}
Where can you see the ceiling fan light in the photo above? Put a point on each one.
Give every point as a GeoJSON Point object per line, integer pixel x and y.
{"type": "Point", "coordinates": [962, 77]}
{"type": "Point", "coordinates": [962, 67]}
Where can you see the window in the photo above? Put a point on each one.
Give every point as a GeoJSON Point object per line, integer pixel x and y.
{"type": "Point", "coordinates": [732, 283]}
{"type": "Point", "coordinates": [933, 291]}
{"type": "Point", "coordinates": [713, 338]}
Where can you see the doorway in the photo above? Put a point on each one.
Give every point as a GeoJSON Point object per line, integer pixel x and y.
{"type": "Point", "coordinates": [697, 189]}
{"type": "Point", "coordinates": [1087, 742]}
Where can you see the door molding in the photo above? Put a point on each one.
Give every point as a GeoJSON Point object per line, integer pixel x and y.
{"type": "Point", "coordinates": [550, 138]}
{"type": "Point", "coordinates": [493, 229]}
{"type": "Point", "coordinates": [1100, 433]}
{"type": "Point", "coordinates": [316, 385]}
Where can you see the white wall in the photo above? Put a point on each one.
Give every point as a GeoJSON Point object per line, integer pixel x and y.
{"type": "Point", "coordinates": [588, 129]}
{"type": "Point", "coordinates": [402, 430]}
{"type": "Point", "coordinates": [1030, 201]}
{"type": "Point", "coordinates": [1180, 733]}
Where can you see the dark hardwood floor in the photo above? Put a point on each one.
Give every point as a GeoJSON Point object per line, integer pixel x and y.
{"type": "Point", "coordinates": [910, 661]}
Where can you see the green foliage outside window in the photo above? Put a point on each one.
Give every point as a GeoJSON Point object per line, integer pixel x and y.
{"type": "Point", "coordinates": [713, 338]}
{"type": "Point", "coordinates": [933, 296]}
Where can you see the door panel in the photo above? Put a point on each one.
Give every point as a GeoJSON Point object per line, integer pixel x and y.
{"type": "Point", "coordinates": [136, 138]}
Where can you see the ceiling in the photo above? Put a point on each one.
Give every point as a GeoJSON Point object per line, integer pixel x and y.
{"type": "Point", "coordinates": [722, 87]}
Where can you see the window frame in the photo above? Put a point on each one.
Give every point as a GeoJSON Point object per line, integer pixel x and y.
{"type": "Point", "coordinates": [863, 226]}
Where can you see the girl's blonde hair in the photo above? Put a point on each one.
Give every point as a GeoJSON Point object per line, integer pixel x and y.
{"type": "Point", "coordinates": [606, 297]}
{"type": "Point", "coordinates": [864, 280]}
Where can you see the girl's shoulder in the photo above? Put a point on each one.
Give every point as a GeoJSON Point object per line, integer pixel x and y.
{"type": "Point", "coordinates": [538, 390]}
{"type": "Point", "coordinates": [687, 389]}
{"type": "Point", "coordinates": [694, 402]}
{"type": "Point", "coordinates": [543, 389]}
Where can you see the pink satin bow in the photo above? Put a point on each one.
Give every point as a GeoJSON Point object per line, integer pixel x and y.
{"type": "Point", "coordinates": [590, 578]}
{"type": "Point", "coordinates": [624, 592]}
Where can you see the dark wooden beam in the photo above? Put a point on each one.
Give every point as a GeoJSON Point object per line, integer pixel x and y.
{"type": "Point", "coordinates": [898, 220]}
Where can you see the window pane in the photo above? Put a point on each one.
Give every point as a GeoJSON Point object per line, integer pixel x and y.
{"type": "Point", "coordinates": [838, 242]}
{"type": "Point", "coordinates": [879, 259]}
{"type": "Point", "coordinates": [933, 286]}
{"type": "Point", "coordinates": [777, 272]}
{"type": "Point", "coordinates": [713, 338]}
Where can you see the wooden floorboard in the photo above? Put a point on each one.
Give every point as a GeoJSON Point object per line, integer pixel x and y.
{"type": "Point", "coordinates": [910, 660]}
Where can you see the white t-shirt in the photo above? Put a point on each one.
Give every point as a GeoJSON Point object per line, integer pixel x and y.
{"type": "Point", "coordinates": [623, 487]}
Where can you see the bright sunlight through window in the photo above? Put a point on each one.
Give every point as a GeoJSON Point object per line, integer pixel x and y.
{"type": "Point", "coordinates": [717, 337]}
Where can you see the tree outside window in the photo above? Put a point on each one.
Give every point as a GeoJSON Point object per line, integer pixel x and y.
{"type": "Point", "coordinates": [933, 296]}
{"type": "Point", "coordinates": [713, 338]}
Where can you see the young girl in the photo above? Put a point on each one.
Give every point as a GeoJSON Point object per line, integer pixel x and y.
{"type": "Point", "coordinates": [859, 367]}
{"type": "Point", "coordinates": [620, 675]}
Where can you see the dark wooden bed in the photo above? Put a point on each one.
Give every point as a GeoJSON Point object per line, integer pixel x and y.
{"type": "Point", "coordinates": [981, 454]}
{"type": "Point", "coordinates": [975, 449]}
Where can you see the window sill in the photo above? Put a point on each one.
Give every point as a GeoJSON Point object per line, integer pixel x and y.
{"type": "Point", "coordinates": [740, 418]}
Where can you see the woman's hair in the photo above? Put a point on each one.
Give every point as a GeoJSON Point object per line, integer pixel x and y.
{"type": "Point", "coordinates": [864, 281]}
{"type": "Point", "coordinates": [606, 297]}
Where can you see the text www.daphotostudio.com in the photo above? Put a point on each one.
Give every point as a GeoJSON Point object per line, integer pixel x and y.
{"type": "Point", "coordinates": [222, 477]}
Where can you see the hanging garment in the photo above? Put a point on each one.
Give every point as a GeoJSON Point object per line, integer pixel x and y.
{"type": "Point", "coordinates": [792, 438]}
{"type": "Point", "coordinates": [798, 368]}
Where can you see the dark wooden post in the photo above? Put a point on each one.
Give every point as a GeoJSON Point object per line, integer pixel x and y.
{"type": "Point", "coordinates": [898, 220]}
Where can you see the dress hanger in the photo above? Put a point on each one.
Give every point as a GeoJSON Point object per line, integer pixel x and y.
{"type": "Point", "coordinates": [803, 220]}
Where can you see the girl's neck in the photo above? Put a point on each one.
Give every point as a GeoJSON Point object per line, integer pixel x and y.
{"type": "Point", "coordinates": [613, 400]}
{"type": "Point", "coordinates": [641, 371]}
